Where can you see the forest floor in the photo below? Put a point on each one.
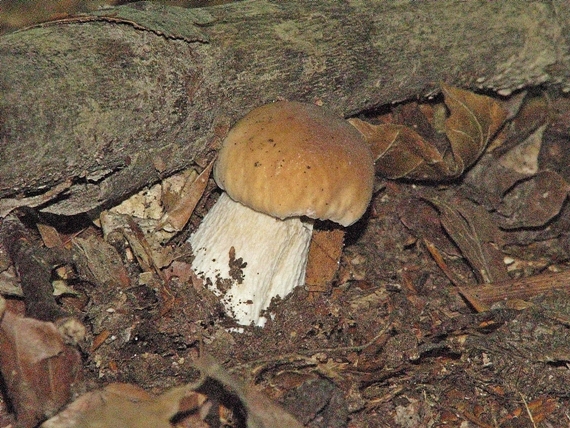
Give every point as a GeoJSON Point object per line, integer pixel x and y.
{"type": "Point", "coordinates": [449, 307]}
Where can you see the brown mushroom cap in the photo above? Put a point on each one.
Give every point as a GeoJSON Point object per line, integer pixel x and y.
{"type": "Point", "coordinates": [290, 159]}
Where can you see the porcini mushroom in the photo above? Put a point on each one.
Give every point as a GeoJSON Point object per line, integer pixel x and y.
{"type": "Point", "coordinates": [281, 166]}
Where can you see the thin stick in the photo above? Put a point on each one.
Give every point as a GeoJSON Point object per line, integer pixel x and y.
{"type": "Point", "coordinates": [523, 288]}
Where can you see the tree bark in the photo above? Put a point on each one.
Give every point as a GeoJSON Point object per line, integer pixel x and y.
{"type": "Point", "coordinates": [93, 109]}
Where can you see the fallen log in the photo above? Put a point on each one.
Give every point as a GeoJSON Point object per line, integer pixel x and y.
{"type": "Point", "coordinates": [95, 107]}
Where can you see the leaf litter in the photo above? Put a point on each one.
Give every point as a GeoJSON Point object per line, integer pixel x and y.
{"type": "Point", "coordinates": [421, 312]}
{"type": "Point", "coordinates": [401, 152]}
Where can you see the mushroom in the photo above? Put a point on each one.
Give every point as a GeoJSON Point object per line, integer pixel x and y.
{"type": "Point", "coordinates": [281, 166]}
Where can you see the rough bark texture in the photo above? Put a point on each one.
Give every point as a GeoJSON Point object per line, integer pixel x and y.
{"type": "Point", "coordinates": [102, 107]}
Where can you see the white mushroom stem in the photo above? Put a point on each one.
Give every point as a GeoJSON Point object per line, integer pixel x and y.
{"type": "Point", "coordinates": [273, 252]}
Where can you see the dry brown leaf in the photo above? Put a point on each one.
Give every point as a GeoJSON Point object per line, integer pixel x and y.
{"type": "Point", "coordinates": [10, 284]}
{"type": "Point", "coordinates": [146, 242]}
{"type": "Point", "coordinates": [128, 406]}
{"type": "Point", "coordinates": [535, 201]}
{"type": "Point", "coordinates": [261, 411]}
{"type": "Point", "coordinates": [177, 216]}
{"type": "Point", "coordinates": [513, 156]}
{"type": "Point", "coordinates": [473, 121]}
{"type": "Point", "coordinates": [474, 233]}
{"type": "Point", "coordinates": [523, 158]}
{"type": "Point", "coordinates": [323, 259]}
{"type": "Point", "coordinates": [401, 152]}
{"type": "Point", "coordinates": [120, 405]}
{"type": "Point", "coordinates": [422, 218]}
{"type": "Point", "coordinates": [527, 112]}
{"type": "Point", "coordinates": [149, 208]}
{"type": "Point", "coordinates": [50, 236]}
{"type": "Point", "coordinates": [140, 246]}
{"type": "Point", "coordinates": [148, 203]}
{"type": "Point", "coordinates": [99, 262]}
{"type": "Point", "coordinates": [38, 369]}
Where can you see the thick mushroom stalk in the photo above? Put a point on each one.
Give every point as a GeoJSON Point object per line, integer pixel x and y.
{"type": "Point", "coordinates": [250, 257]}
{"type": "Point", "coordinates": [281, 162]}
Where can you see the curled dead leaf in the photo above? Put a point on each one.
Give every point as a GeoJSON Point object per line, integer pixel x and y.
{"type": "Point", "coordinates": [38, 368]}
{"type": "Point", "coordinates": [120, 405]}
{"type": "Point", "coordinates": [178, 215]}
{"type": "Point", "coordinates": [473, 121]}
{"type": "Point", "coordinates": [534, 202]}
{"type": "Point", "coordinates": [401, 152]}
{"type": "Point", "coordinates": [261, 411]}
